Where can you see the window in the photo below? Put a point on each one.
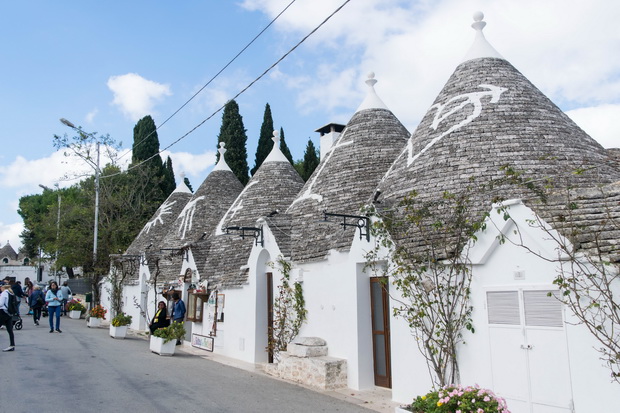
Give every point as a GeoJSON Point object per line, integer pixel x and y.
{"type": "Point", "coordinates": [195, 303]}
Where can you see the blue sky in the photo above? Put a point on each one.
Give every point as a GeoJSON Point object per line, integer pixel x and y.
{"type": "Point", "coordinates": [104, 65]}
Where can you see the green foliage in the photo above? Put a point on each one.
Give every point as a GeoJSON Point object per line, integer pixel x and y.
{"type": "Point", "coordinates": [265, 143]}
{"type": "Point", "coordinates": [175, 331]}
{"type": "Point", "coordinates": [233, 134]}
{"type": "Point", "coordinates": [434, 278]}
{"type": "Point", "coordinates": [121, 319]}
{"type": "Point", "coordinates": [76, 305]}
{"type": "Point", "coordinates": [289, 311]}
{"type": "Point", "coordinates": [284, 147]}
{"type": "Point", "coordinates": [186, 181]}
{"type": "Point", "coordinates": [168, 184]}
{"type": "Point", "coordinates": [311, 160]}
{"type": "Point", "coordinates": [453, 399]}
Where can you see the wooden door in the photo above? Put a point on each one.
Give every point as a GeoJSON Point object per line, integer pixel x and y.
{"type": "Point", "coordinates": [270, 315]}
{"type": "Point", "coordinates": [380, 310]}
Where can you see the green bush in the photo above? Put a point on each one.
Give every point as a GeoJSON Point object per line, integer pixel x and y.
{"type": "Point", "coordinates": [121, 319]}
{"type": "Point", "coordinates": [458, 399]}
{"type": "Point", "coordinates": [175, 331]}
{"type": "Point", "coordinates": [76, 305]}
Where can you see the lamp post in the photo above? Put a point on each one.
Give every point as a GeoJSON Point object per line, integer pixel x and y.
{"type": "Point", "coordinates": [97, 173]}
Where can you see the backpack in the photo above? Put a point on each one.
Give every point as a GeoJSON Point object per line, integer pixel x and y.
{"type": "Point", "coordinates": [12, 305]}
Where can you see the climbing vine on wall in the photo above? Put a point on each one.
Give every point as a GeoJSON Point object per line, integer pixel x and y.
{"type": "Point", "coordinates": [289, 310]}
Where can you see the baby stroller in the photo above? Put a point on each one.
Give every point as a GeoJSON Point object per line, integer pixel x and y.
{"type": "Point", "coordinates": [17, 322]}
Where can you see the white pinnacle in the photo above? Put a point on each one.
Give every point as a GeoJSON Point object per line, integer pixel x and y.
{"type": "Point", "coordinates": [221, 164]}
{"type": "Point", "coordinates": [372, 100]}
{"type": "Point", "coordinates": [481, 47]}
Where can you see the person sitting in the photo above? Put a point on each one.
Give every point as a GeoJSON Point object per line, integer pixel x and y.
{"type": "Point", "coordinates": [160, 319]}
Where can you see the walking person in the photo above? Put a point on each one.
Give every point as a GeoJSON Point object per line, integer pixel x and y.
{"type": "Point", "coordinates": [19, 293]}
{"type": "Point", "coordinates": [53, 298]}
{"type": "Point", "coordinates": [178, 310]}
{"type": "Point", "coordinates": [6, 318]}
{"type": "Point", "coordinates": [28, 290]}
{"type": "Point", "coordinates": [36, 301]}
{"type": "Point", "coordinates": [66, 291]}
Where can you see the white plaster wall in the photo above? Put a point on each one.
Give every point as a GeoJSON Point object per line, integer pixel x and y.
{"type": "Point", "coordinates": [592, 390]}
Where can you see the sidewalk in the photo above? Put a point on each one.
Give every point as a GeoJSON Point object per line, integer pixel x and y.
{"type": "Point", "coordinates": [378, 399]}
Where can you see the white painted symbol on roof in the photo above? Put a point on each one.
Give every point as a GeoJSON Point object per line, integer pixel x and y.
{"type": "Point", "coordinates": [473, 98]}
{"type": "Point", "coordinates": [188, 216]}
{"type": "Point", "coordinates": [163, 210]}
{"type": "Point", "coordinates": [236, 206]}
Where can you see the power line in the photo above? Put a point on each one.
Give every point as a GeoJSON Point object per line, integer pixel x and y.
{"type": "Point", "coordinates": [243, 90]}
{"type": "Point", "coordinates": [212, 78]}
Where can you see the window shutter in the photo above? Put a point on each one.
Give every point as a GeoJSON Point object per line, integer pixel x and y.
{"type": "Point", "coordinates": [542, 310]}
{"type": "Point", "coordinates": [503, 307]}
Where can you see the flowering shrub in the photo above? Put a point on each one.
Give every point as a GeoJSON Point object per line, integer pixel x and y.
{"type": "Point", "coordinates": [458, 399]}
{"type": "Point", "coordinates": [76, 305]}
{"type": "Point", "coordinates": [121, 319]}
{"type": "Point", "coordinates": [98, 311]}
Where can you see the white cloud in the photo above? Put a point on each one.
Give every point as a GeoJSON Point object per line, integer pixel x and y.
{"type": "Point", "coordinates": [135, 95]}
{"type": "Point", "coordinates": [413, 51]}
{"type": "Point", "coordinates": [90, 116]}
{"type": "Point", "coordinates": [194, 166]}
{"type": "Point", "coordinates": [600, 122]}
{"type": "Point", "coordinates": [10, 233]}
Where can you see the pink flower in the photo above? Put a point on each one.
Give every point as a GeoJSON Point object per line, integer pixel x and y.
{"type": "Point", "coordinates": [487, 399]}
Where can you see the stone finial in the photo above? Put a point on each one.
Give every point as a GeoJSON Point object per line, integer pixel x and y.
{"type": "Point", "coordinates": [276, 138]}
{"type": "Point", "coordinates": [481, 47]}
{"type": "Point", "coordinates": [221, 164]}
{"type": "Point", "coordinates": [372, 100]}
{"type": "Point", "coordinates": [478, 24]}
{"type": "Point", "coordinates": [371, 81]}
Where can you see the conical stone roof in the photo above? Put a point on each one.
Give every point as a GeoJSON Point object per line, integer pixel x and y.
{"type": "Point", "coordinates": [269, 192]}
{"type": "Point", "coordinates": [8, 252]}
{"type": "Point", "coordinates": [153, 233]}
{"type": "Point", "coordinates": [488, 115]}
{"type": "Point", "coordinates": [346, 178]}
{"type": "Point", "coordinates": [201, 214]}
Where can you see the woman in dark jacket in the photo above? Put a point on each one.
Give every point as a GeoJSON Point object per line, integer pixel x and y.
{"type": "Point", "coordinates": [160, 320]}
{"type": "Point", "coordinates": [36, 304]}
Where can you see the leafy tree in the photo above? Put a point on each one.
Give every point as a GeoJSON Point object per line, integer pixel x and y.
{"type": "Point", "coordinates": [265, 143]}
{"type": "Point", "coordinates": [284, 148]}
{"type": "Point", "coordinates": [233, 134]}
{"type": "Point", "coordinates": [433, 279]}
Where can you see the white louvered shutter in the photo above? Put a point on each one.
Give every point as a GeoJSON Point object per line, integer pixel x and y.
{"type": "Point", "coordinates": [503, 307]}
{"type": "Point", "coordinates": [542, 310]}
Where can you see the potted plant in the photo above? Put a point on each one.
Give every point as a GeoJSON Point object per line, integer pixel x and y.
{"type": "Point", "coordinates": [118, 326]}
{"type": "Point", "coordinates": [453, 398]}
{"type": "Point", "coordinates": [164, 340]}
{"type": "Point", "coordinates": [97, 313]}
{"type": "Point", "coordinates": [75, 308]}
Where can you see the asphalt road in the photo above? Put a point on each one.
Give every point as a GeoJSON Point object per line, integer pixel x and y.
{"type": "Point", "coordinates": [85, 370]}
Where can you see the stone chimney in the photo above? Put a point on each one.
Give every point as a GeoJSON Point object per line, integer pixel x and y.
{"type": "Point", "coordinates": [329, 134]}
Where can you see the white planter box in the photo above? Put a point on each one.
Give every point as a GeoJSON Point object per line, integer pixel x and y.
{"type": "Point", "coordinates": [94, 322]}
{"type": "Point", "coordinates": [118, 332]}
{"type": "Point", "coordinates": [158, 346]}
{"type": "Point", "coordinates": [75, 314]}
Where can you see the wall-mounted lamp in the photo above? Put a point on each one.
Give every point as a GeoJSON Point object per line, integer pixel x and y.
{"type": "Point", "coordinates": [360, 222]}
{"type": "Point", "coordinates": [257, 233]}
{"type": "Point", "coordinates": [178, 251]}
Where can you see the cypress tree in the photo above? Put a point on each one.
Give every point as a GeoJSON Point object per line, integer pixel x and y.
{"type": "Point", "coordinates": [232, 133]}
{"type": "Point", "coordinates": [168, 183]}
{"type": "Point", "coordinates": [284, 148]}
{"type": "Point", "coordinates": [186, 181]}
{"type": "Point", "coordinates": [265, 144]}
{"type": "Point", "coordinates": [145, 141]}
{"type": "Point", "coordinates": [311, 160]}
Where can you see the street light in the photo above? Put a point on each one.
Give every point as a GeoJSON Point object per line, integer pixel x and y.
{"type": "Point", "coordinates": [97, 173]}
